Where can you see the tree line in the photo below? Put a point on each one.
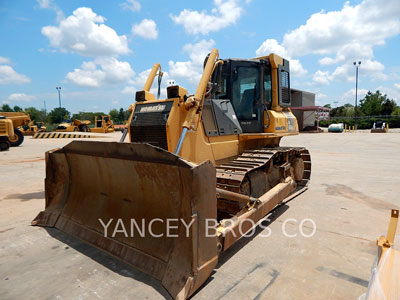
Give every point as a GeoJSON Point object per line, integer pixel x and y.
{"type": "Point", "coordinates": [373, 104]}
{"type": "Point", "coordinates": [373, 107]}
{"type": "Point", "coordinates": [59, 114]}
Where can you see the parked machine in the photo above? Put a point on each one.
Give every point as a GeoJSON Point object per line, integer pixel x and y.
{"type": "Point", "coordinates": [208, 158]}
{"type": "Point", "coordinates": [103, 124]}
{"type": "Point", "coordinates": [31, 128]}
{"type": "Point", "coordinates": [6, 132]}
{"type": "Point", "coordinates": [74, 125]}
{"type": "Point", "coordinates": [380, 127]}
{"type": "Point", "coordinates": [18, 119]}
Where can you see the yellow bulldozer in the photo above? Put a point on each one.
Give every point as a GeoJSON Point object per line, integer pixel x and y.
{"type": "Point", "coordinates": [6, 132]}
{"type": "Point", "coordinates": [31, 128]}
{"type": "Point", "coordinates": [74, 125]}
{"type": "Point", "coordinates": [18, 119]}
{"type": "Point", "coordinates": [198, 173]}
{"type": "Point", "coordinates": [103, 124]}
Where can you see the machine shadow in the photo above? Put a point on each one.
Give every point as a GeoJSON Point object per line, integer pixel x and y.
{"type": "Point", "coordinates": [113, 264]}
{"type": "Point", "coordinates": [243, 241]}
{"type": "Point", "coordinates": [126, 270]}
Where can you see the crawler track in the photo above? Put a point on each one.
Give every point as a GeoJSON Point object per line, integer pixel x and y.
{"type": "Point", "coordinates": [234, 175]}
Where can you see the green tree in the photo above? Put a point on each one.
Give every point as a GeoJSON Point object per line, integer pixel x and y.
{"type": "Point", "coordinates": [33, 113]}
{"type": "Point", "coordinates": [328, 105]}
{"type": "Point", "coordinates": [396, 111]}
{"type": "Point", "coordinates": [58, 114]}
{"type": "Point", "coordinates": [18, 108]}
{"type": "Point", "coordinates": [121, 115]}
{"type": "Point", "coordinates": [375, 104]}
{"type": "Point", "coordinates": [6, 108]}
{"type": "Point", "coordinates": [343, 111]}
{"type": "Point", "coordinates": [114, 115]}
{"type": "Point", "coordinates": [349, 111]}
{"type": "Point", "coordinates": [388, 106]}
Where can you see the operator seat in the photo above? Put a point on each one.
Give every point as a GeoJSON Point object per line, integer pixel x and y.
{"type": "Point", "coordinates": [246, 107]}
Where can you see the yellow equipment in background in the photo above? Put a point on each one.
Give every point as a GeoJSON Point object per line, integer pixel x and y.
{"type": "Point", "coordinates": [103, 124]}
{"type": "Point", "coordinates": [31, 128]}
{"type": "Point", "coordinates": [6, 132]}
{"type": "Point", "coordinates": [208, 158]}
{"type": "Point", "coordinates": [385, 276]}
{"type": "Point", "coordinates": [74, 125]}
{"type": "Point", "coordinates": [18, 119]}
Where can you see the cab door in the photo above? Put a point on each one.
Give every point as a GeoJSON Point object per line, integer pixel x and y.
{"type": "Point", "coordinates": [246, 95]}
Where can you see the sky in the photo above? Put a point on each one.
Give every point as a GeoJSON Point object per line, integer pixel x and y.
{"type": "Point", "coordinates": [100, 52]}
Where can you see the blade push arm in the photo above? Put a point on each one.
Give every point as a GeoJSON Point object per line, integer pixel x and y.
{"type": "Point", "coordinates": [194, 103]}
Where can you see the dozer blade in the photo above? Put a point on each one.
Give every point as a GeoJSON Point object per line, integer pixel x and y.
{"type": "Point", "coordinates": [107, 194]}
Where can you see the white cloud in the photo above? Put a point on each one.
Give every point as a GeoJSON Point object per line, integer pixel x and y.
{"type": "Point", "coordinates": [101, 71]}
{"type": "Point", "coordinates": [5, 60]}
{"type": "Point", "coordinates": [390, 92]}
{"type": "Point", "coordinates": [320, 96]}
{"type": "Point", "coordinates": [322, 77]}
{"type": "Point", "coordinates": [346, 72]}
{"type": "Point", "coordinates": [397, 85]}
{"type": "Point", "coordinates": [345, 36]}
{"type": "Point", "coordinates": [140, 80]}
{"type": "Point", "coordinates": [224, 14]}
{"type": "Point", "coordinates": [49, 4]}
{"type": "Point", "coordinates": [44, 4]}
{"type": "Point", "coordinates": [146, 29]}
{"type": "Point", "coordinates": [191, 70]}
{"type": "Point", "coordinates": [349, 52]}
{"type": "Point", "coordinates": [9, 76]}
{"type": "Point", "coordinates": [272, 46]}
{"type": "Point", "coordinates": [84, 33]}
{"type": "Point", "coordinates": [130, 90]}
{"type": "Point", "coordinates": [132, 5]}
{"type": "Point", "coordinates": [350, 95]}
{"type": "Point", "coordinates": [21, 97]}
{"type": "Point", "coordinates": [88, 75]}
{"type": "Point", "coordinates": [368, 23]}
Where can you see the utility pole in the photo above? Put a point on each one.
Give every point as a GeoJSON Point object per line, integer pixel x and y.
{"type": "Point", "coordinates": [58, 88]}
{"type": "Point", "coordinates": [355, 107]}
{"type": "Point", "coordinates": [45, 110]}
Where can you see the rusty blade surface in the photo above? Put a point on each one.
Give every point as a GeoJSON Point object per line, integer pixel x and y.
{"type": "Point", "coordinates": [91, 181]}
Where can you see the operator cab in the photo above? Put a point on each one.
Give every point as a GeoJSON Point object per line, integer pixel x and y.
{"type": "Point", "coordinates": [247, 84]}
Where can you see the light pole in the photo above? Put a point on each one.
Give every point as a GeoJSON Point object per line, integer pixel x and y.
{"type": "Point", "coordinates": [355, 107]}
{"type": "Point", "coordinates": [58, 88]}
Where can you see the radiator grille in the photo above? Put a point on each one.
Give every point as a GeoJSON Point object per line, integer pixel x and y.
{"type": "Point", "coordinates": [2, 128]}
{"type": "Point", "coordinates": [149, 124]}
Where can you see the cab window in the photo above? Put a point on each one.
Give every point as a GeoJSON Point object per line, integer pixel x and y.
{"type": "Point", "coordinates": [267, 88]}
{"type": "Point", "coordinates": [244, 92]}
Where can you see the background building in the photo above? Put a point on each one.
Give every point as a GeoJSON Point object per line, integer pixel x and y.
{"type": "Point", "coordinates": [300, 99]}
